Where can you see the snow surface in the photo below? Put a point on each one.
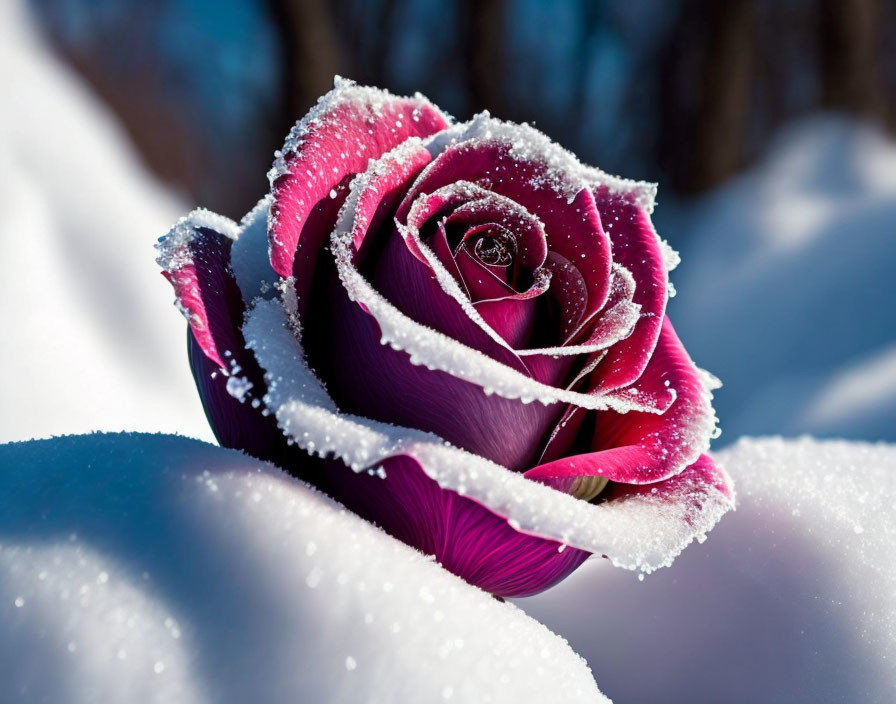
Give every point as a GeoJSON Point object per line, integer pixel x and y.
{"type": "Point", "coordinates": [786, 288]}
{"type": "Point", "coordinates": [185, 572]}
{"type": "Point", "coordinates": [792, 599]}
{"type": "Point", "coordinates": [89, 340]}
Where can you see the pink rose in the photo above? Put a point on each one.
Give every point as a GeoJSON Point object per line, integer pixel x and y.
{"type": "Point", "coordinates": [459, 333]}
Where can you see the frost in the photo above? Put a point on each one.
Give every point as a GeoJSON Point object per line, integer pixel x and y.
{"type": "Point", "coordinates": [211, 596]}
{"type": "Point", "coordinates": [798, 584]}
{"type": "Point", "coordinates": [249, 259]}
{"type": "Point", "coordinates": [566, 174]}
{"type": "Point", "coordinates": [345, 92]}
{"type": "Point", "coordinates": [644, 532]}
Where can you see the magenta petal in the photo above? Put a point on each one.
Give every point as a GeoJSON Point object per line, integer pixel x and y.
{"type": "Point", "coordinates": [466, 538]}
{"type": "Point", "coordinates": [348, 127]}
{"type": "Point", "coordinates": [637, 248]}
{"type": "Point", "coordinates": [207, 292]}
{"type": "Point", "coordinates": [702, 474]}
{"type": "Point", "coordinates": [639, 447]}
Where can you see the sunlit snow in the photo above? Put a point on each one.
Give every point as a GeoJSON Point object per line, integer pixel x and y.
{"type": "Point", "coordinates": [792, 599]}
{"type": "Point", "coordinates": [170, 569]}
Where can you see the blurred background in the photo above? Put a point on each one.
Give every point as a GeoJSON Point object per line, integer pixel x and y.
{"type": "Point", "coordinates": [768, 125]}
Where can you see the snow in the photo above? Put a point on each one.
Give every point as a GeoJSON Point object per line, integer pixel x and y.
{"type": "Point", "coordinates": [786, 285]}
{"type": "Point", "coordinates": [645, 532]}
{"type": "Point", "coordinates": [89, 341]}
{"type": "Point", "coordinates": [792, 599]}
{"type": "Point", "coordinates": [185, 572]}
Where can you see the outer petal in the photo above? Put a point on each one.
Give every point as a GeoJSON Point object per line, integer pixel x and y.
{"type": "Point", "coordinates": [465, 536]}
{"type": "Point", "coordinates": [348, 127]}
{"type": "Point", "coordinates": [196, 259]}
{"type": "Point", "coordinates": [636, 247]}
{"type": "Point", "coordinates": [642, 448]}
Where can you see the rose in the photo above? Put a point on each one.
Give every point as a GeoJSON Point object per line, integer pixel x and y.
{"type": "Point", "coordinates": [460, 334]}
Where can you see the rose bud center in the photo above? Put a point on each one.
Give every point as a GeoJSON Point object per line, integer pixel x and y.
{"type": "Point", "coordinates": [493, 245]}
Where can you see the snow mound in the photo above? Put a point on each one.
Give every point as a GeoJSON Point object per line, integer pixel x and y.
{"type": "Point", "coordinates": [165, 566]}
{"type": "Point", "coordinates": [792, 600]}
{"type": "Point", "coordinates": [786, 288]}
{"type": "Point", "coordinates": [89, 342]}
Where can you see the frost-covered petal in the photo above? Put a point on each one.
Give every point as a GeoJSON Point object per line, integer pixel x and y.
{"type": "Point", "coordinates": [348, 127]}
{"type": "Point", "coordinates": [431, 348]}
{"type": "Point", "coordinates": [195, 257]}
{"type": "Point", "coordinates": [249, 257]}
{"type": "Point", "coordinates": [375, 380]}
{"type": "Point", "coordinates": [642, 448]}
{"type": "Point", "coordinates": [393, 269]}
{"type": "Point", "coordinates": [636, 247]}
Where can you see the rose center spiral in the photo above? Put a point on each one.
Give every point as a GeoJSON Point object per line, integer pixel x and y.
{"type": "Point", "coordinates": [493, 245]}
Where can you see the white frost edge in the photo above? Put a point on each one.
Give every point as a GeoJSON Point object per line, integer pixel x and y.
{"type": "Point", "coordinates": [174, 247]}
{"type": "Point", "coordinates": [530, 144]}
{"type": "Point", "coordinates": [638, 532]}
{"type": "Point", "coordinates": [250, 259]}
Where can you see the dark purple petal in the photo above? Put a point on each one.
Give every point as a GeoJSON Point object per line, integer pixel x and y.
{"type": "Point", "coordinates": [373, 380]}
{"type": "Point", "coordinates": [466, 538]}
{"type": "Point", "coordinates": [199, 269]}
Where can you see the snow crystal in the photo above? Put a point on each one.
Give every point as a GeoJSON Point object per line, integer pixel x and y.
{"type": "Point", "coordinates": [644, 532]}
{"type": "Point", "coordinates": [799, 584]}
{"type": "Point", "coordinates": [231, 607]}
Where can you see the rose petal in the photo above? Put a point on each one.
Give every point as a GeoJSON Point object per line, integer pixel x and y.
{"type": "Point", "coordinates": [374, 380]}
{"type": "Point", "coordinates": [195, 257]}
{"type": "Point", "coordinates": [395, 272]}
{"type": "Point", "coordinates": [636, 247]}
{"type": "Point", "coordinates": [519, 164]}
{"type": "Point", "coordinates": [642, 448]}
{"type": "Point", "coordinates": [465, 537]}
{"type": "Point", "coordinates": [429, 347]}
{"type": "Point", "coordinates": [348, 127]}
